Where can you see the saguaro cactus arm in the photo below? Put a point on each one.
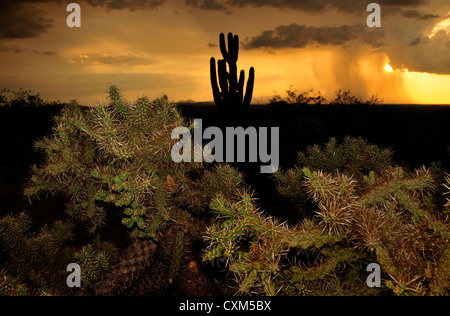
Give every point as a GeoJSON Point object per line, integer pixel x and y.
{"type": "Point", "coordinates": [249, 89]}
{"type": "Point", "coordinates": [231, 56]}
{"type": "Point", "coordinates": [214, 85]}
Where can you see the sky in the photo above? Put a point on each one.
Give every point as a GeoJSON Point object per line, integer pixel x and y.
{"type": "Point", "coordinates": [155, 47]}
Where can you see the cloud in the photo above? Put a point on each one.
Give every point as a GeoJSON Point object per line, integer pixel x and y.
{"type": "Point", "coordinates": [316, 6]}
{"type": "Point", "coordinates": [424, 54]}
{"type": "Point", "coordinates": [131, 5]}
{"type": "Point", "coordinates": [19, 20]}
{"type": "Point", "coordinates": [207, 4]}
{"type": "Point", "coordinates": [19, 50]}
{"type": "Point", "coordinates": [421, 54]}
{"type": "Point", "coordinates": [26, 18]}
{"type": "Point", "coordinates": [415, 42]}
{"type": "Point", "coordinates": [124, 59]}
{"type": "Point", "coordinates": [306, 5]}
{"type": "Point", "coordinates": [414, 14]}
{"type": "Point", "coordinates": [299, 36]}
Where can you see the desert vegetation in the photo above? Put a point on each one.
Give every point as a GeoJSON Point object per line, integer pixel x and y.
{"type": "Point", "coordinates": [139, 224]}
{"type": "Point", "coordinates": [342, 97]}
{"type": "Point", "coordinates": [23, 98]}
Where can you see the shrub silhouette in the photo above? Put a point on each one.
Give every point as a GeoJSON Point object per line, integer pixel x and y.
{"type": "Point", "coordinates": [306, 97]}
{"type": "Point", "coordinates": [23, 98]}
{"type": "Point", "coordinates": [342, 97]}
{"type": "Point", "coordinates": [346, 97]}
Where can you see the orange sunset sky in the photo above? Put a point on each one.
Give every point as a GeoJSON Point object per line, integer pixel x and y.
{"type": "Point", "coordinates": [153, 47]}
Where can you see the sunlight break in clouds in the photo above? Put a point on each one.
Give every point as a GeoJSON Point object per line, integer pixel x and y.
{"type": "Point", "coordinates": [443, 25]}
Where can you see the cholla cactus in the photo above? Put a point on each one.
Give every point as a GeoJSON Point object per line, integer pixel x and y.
{"type": "Point", "coordinates": [117, 154]}
{"type": "Point", "coordinates": [10, 286]}
{"type": "Point", "coordinates": [33, 260]}
{"type": "Point", "coordinates": [130, 265]}
{"type": "Point", "coordinates": [392, 217]}
{"type": "Point", "coordinates": [94, 260]}
{"type": "Point", "coordinates": [256, 246]}
{"type": "Point", "coordinates": [447, 187]}
{"type": "Point", "coordinates": [367, 210]}
{"type": "Point", "coordinates": [120, 155]}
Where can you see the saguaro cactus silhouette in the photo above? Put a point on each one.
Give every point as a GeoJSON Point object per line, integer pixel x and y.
{"type": "Point", "coordinates": [230, 96]}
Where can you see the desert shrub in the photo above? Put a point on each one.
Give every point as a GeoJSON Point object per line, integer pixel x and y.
{"type": "Point", "coordinates": [346, 97]}
{"type": "Point", "coordinates": [23, 98]}
{"type": "Point", "coordinates": [293, 97]}
{"type": "Point", "coordinates": [342, 97]}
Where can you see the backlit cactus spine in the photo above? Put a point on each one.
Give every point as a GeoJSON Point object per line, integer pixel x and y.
{"type": "Point", "coordinates": [230, 96]}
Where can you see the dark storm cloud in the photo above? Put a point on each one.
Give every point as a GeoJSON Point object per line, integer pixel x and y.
{"type": "Point", "coordinates": [414, 14]}
{"type": "Point", "coordinates": [299, 36]}
{"type": "Point", "coordinates": [49, 53]}
{"type": "Point", "coordinates": [322, 5]}
{"type": "Point", "coordinates": [415, 42]}
{"type": "Point", "coordinates": [19, 20]}
{"type": "Point", "coordinates": [206, 4]}
{"type": "Point", "coordinates": [131, 5]}
{"type": "Point", "coordinates": [18, 50]}
{"type": "Point", "coordinates": [27, 19]}
{"type": "Point", "coordinates": [306, 5]}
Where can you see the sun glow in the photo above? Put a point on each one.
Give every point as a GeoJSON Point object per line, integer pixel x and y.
{"type": "Point", "coordinates": [388, 68]}
{"type": "Point", "coordinates": [443, 25]}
